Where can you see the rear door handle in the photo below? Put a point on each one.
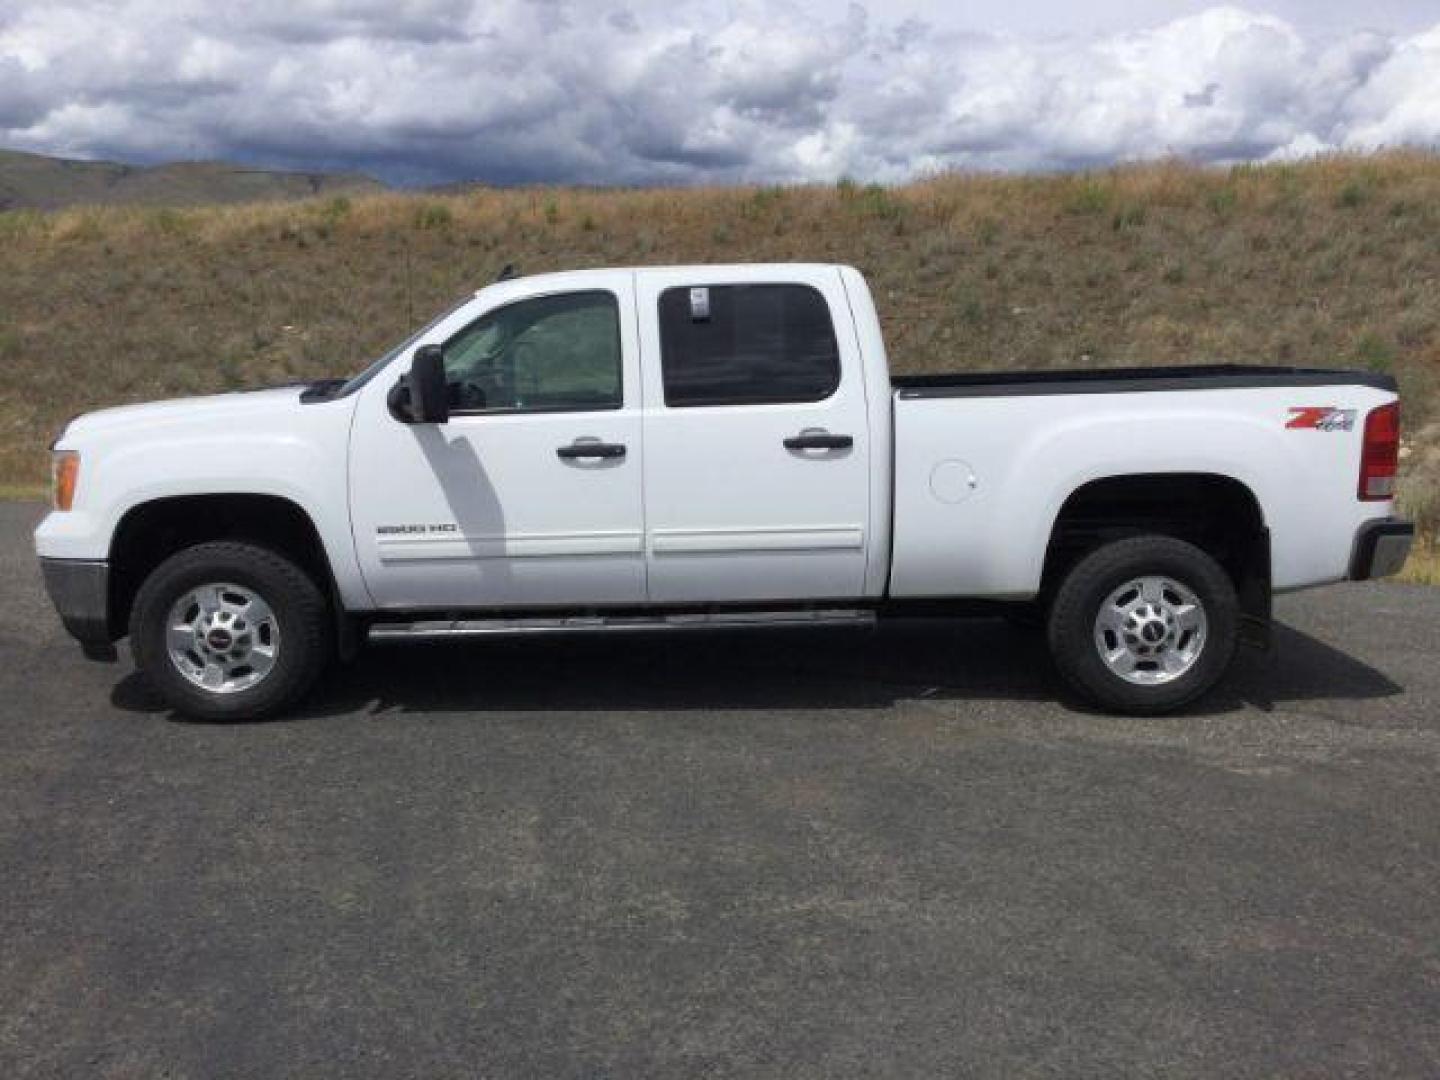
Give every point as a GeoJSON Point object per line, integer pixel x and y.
{"type": "Point", "coordinates": [591, 450]}
{"type": "Point", "coordinates": [819, 440]}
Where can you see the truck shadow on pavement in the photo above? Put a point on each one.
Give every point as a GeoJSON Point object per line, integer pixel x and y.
{"type": "Point", "coordinates": [956, 661]}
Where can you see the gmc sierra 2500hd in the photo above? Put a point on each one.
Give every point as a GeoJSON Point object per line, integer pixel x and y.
{"type": "Point", "coordinates": [710, 446]}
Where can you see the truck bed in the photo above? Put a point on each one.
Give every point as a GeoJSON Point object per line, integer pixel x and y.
{"type": "Point", "coordinates": [989, 460]}
{"type": "Point", "coordinates": [1129, 380]}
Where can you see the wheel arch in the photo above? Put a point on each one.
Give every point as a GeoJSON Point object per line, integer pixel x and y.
{"type": "Point", "coordinates": [1219, 514]}
{"type": "Point", "coordinates": [150, 532]}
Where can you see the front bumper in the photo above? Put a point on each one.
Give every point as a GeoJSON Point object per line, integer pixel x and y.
{"type": "Point", "coordinates": [1381, 548]}
{"type": "Point", "coordinates": [80, 591]}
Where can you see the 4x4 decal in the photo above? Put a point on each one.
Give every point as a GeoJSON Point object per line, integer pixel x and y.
{"type": "Point", "coordinates": [1321, 418]}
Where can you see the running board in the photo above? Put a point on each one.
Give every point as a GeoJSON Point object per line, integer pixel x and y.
{"type": "Point", "coordinates": [585, 624]}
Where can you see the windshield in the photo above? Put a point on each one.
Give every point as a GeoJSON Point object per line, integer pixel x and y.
{"type": "Point", "coordinates": [356, 382]}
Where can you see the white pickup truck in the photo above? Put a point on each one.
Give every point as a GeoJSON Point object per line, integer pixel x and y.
{"type": "Point", "coordinates": [710, 446]}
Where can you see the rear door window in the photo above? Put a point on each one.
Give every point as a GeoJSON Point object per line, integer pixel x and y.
{"type": "Point", "coordinates": [746, 345]}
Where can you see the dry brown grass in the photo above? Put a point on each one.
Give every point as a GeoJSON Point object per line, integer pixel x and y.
{"type": "Point", "coordinates": [1330, 262]}
{"type": "Point", "coordinates": [1423, 568]}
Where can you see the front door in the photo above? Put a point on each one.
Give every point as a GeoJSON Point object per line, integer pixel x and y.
{"type": "Point", "coordinates": [757, 447]}
{"type": "Point", "coordinates": [531, 493]}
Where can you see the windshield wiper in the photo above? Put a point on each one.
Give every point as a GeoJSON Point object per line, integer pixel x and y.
{"type": "Point", "coordinates": [321, 390]}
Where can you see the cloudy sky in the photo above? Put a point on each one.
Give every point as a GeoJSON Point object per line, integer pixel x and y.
{"type": "Point", "coordinates": [689, 91]}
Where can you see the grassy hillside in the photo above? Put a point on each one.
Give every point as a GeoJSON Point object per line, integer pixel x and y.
{"type": "Point", "coordinates": [32, 181]}
{"type": "Point", "coordinates": [1329, 262]}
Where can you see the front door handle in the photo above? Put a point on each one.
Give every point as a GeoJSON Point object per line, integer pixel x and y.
{"type": "Point", "coordinates": [819, 440]}
{"type": "Point", "coordinates": [591, 450]}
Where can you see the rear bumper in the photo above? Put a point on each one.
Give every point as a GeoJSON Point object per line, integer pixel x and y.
{"type": "Point", "coordinates": [1381, 548]}
{"type": "Point", "coordinates": [80, 591]}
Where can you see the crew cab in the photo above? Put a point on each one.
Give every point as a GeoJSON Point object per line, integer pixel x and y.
{"type": "Point", "coordinates": [710, 446]}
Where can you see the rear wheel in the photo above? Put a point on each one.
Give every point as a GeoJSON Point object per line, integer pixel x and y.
{"type": "Point", "coordinates": [229, 631]}
{"type": "Point", "coordinates": [1144, 625]}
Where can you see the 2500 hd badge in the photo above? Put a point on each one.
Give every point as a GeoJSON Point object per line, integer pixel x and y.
{"type": "Point", "coordinates": [415, 530]}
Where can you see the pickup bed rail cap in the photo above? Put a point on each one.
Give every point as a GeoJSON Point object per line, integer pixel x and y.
{"type": "Point", "coordinates": [1130, 380]}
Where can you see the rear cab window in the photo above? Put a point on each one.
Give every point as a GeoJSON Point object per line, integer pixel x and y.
{"type": "Point", "coordinates": [746, 345]}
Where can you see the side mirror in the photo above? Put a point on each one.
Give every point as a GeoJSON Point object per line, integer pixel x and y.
{"type": "Point", "coordinates": [421, 397]}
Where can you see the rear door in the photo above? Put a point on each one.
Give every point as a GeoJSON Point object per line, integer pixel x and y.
{"type": "Point", "coordinates": [757, 450]}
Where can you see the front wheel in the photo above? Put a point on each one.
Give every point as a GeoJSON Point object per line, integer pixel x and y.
{"type": "Point", "coordinates": [229, 631]}
{"type": "Point", "coordinates": [1144, 625]}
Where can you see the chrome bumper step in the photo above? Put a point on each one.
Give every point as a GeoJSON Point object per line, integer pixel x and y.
{"type": "Point", "coordinates": [585, 624]}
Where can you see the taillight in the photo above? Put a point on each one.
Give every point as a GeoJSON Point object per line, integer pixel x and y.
{"type": "Point", "coordinates": [1380, 456]}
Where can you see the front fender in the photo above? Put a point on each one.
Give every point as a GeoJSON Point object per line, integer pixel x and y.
{"type": "Point", "coordinates": [301, 458]}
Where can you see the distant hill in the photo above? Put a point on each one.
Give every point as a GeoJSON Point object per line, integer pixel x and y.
{"type": "Point", "coordinates": [1334, 261]}
{"type": "Point", "coordinates": [33, 181]}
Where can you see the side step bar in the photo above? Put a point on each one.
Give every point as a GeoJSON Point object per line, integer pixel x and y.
{"type": "Point", "coordinates": [584, 624]}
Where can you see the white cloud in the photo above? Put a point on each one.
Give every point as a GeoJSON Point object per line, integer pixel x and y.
{"type": "Point", "coordinates": [606, 91]}
{"type": "Point", "coordinates": [1400, 101]}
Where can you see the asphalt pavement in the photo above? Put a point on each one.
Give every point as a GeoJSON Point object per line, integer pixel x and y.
{"type": "Point", "coordinates": [824, 854]}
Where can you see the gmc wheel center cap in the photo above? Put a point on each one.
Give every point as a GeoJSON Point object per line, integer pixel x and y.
{"type": "Point", "coordinates": [218, 638]}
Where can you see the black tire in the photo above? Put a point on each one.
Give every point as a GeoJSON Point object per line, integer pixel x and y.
{"type": "Point", "coordinates": [298, 606]}
{"type": "Point", "coordinates": [1088, 585]}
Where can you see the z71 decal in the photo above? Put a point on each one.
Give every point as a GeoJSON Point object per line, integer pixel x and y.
{"type": "Point", "coordinates": [1321, 418]}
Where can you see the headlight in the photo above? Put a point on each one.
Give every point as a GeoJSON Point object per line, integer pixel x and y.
{"type": "Point", "coordinates": [64, 475]}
